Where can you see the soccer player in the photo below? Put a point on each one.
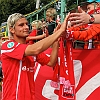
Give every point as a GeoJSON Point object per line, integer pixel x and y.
{"type": "Point", "coordinates": [18, 58]}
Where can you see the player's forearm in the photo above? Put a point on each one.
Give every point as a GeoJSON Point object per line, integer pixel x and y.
{"type": "Point", "coordinates": [54, 54]}
{"type": "Point", "coordinates": [43, 44]}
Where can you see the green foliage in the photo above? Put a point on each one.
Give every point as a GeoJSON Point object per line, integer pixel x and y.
{"type": "Point", "coordinates": [8, 7]}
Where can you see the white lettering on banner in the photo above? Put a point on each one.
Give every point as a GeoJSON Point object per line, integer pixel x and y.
{"type": "Point", "coordinates": [88, 87]}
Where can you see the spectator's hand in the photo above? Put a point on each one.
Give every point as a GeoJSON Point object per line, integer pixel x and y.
{"type": "Point", "coordinates": [79, 18]}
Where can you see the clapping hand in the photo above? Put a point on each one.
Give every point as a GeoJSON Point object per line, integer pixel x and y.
{"type": "Point", "coordinates": [79, 18]}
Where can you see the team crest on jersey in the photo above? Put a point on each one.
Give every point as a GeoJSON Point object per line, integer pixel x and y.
{"type": "Point", "coordinates": [10, 44]}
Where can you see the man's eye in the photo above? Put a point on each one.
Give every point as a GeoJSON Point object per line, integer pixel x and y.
{"type": "Point", "coordinates": [27, 24]}
{"type": "Point", "coordinates": [21, 24]}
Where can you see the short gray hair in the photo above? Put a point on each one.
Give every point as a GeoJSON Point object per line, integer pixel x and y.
{"type": "Point", "coordinates": [12, 19]}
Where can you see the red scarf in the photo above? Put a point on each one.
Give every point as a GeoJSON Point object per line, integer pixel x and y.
{"type": "Point", "coordinates": [63, 79]}
{"type": "Point", "coordinates": [67, 82]}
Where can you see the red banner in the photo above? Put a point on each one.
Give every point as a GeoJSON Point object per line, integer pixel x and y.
{"type": "Point", "coordinates": [87, 77]}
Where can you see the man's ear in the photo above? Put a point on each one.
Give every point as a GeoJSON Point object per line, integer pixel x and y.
{"type": "Point", "coordinates": [12, 30]}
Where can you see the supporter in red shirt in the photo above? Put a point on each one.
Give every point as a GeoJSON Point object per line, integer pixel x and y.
{"type": "Point", "coordinates": [18, 58]}
{"type": "Point", "coordinates": [37, 32]}
{"type": "Point", "coordinates": [88, 32]}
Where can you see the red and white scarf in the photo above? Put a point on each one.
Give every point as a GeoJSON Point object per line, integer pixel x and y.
{"type": "Point", "coordinates": [63, 78]}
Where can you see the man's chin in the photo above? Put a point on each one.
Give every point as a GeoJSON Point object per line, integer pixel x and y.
{"type": "Point", "coordinates": [26, 35]}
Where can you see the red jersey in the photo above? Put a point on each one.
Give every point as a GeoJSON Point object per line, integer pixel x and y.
{"type": "Point", "coordinates": [18, 71]}
{"type": "Point", "coordinates": [33, 33]}
{"type": "Point", "coordinates": [92, 31]}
